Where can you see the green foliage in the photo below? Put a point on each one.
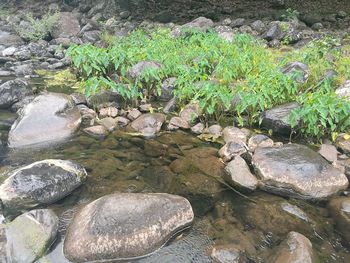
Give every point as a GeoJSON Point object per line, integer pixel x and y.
{"type": "Point", "coordinates": [36, 29]}
{"type": "Point", "coordinates": [290, 14]}
{"type": "Point", "coordinates": [242, 77]}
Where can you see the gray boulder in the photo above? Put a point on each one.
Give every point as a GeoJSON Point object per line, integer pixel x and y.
{"type": "Point", "coordinates": [296, 248]}
{"type": "Point", "coordinates": [28, 237]}
{"type": "Point", "coordinates": [8, 40]}
{"type": "Point", "coordinates": [68, 26]}
{"type": "Point", "coordinates": [125, 226]}
{"type": "Point", "coordinates": [40, 183]}
{"type": "Point", "coordinates": [140, 68]}
{"type": "Point", "coordinates": [50, 117]}
{"type": "Point", "coordinates": [276, 119]}
{"type": "Point", "coordinates": [148, 124]}
{"type": "Point", "coordinates": [238, 174]}
{"type": "Point", "coordinates": [297, 171]}
{"type": "Point", "coordinates": [13, 91]}
{"type": "Point", "coordinates": [299, 71]}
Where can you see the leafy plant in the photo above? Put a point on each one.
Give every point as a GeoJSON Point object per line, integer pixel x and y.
{"type": "Point", "coordinates": [241, 78]}
{"type": "Point", "coordinates": [36, 29]}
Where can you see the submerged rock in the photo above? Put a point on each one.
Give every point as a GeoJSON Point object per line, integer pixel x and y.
{"type": "Point", "coordinates": [340, 210]}
{"type": "Point", "coordinates": [50, 117]}
{"type": "Point", "coordinates": [296, 248]}
{"type": "Point", "coordinates": [148, 124]}
{"type": "Point", "coordinates": [228, 254]}
{"type": "Point", "coordinates": [276, 119]}
{"type": "Point", "coordinates": [125, 226]}
{"type": "Point", "coordinates": [40, 183]}
{"type": "Point", "coordinates": [238, 174]}
{"type": "Point", "coordinates": [13, 91]}
{"type": "Point", "coordinates": [29, 236]}
{"type": "Point", "coordinates": [297, 171]}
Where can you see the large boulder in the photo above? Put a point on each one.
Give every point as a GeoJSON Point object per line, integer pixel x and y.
{"type": "Point", "coordinates": [40, 183]}
{"type": "Point", "coordinates": [67, 26]}
{"type": "Point", "coordinates": [276, 119]}
{"type": "Point", "coordinates": [28, 237]}
{"type": "Point", "coordinates": [296, 248]}
{"type": "Point", "coordinates": [50, 117]}
{"type": "Point", "coordinates": [297, 171]}
{"type": "Point", "coordinates": [125, 226]}
{"type": "Point", "coordinates": [340, 210]}
{"type": "Point", "coordinates": [148, 124]}
{"type": "Point", "coordinates": [13, 91]}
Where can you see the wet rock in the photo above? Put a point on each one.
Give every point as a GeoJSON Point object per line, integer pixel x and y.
{"type": "Point", "coordinates": [238, 174]}
{"type": "Point", "coordinates": [294, 210]}
{"type": "Point", "coordinates": [297, 171]}
{"type": "Point", "coordinates": [98, 131]}
{"type": "Point", "coordinates": [13, 91]}
{"type": "Point", "coordinates": [68, 26]}
{"type": "Point", "coordinates": [40, 183]}
{"type": "Point", "coordinates": [344, 91]}
{"type": "Point", "coordinates": [148, 124]}
{"type": "Point", "coordinates": [134, 114]}
{"type": "Point", "coordinates": [198, 128]}
{"type": "Point", "coordinates": [231, 133]}
{"type": "Point", "coordinates": [88, 115]}
{"type": "Point", "coordinates": [190, 112]}
{"type": "Point", "coordinates": [329, 152]}
{"type": "Point", "coordinates": [276, 119]}
{"type": "Point", "coordinates": [78, 98]}
{"type": "Point", "coordinates": [296, 248]}
{"type": "Point", "coordinates": [177, 122]}
{"type": "Point", "coordinates": [125, 226]}
{"type": "Point", "coordinates": [59, 119]}
{"type": "Point", "coordinates": [259, 140]}
{"type": "Point", "coordinates": [121, 121]}
{"type": "Point", "coordinates": [228, 254]}
{"type": "Point", "coordinates": [103, 99]}
{"type": "Point", "coordinates": [29, 236]}
{"type": "Point", "coordinates": [343, 143]}
{"type": "Point", "coordinates": [340, 210]}
{"type": "Point", "coordinates": [140, 68]}
{"type": "Point", "coordinates": [109, 123]}
{"type": "Point", "coordinates": [231, 150]}
{"type": "Point", "coordinates": [299, 71]}
{"type": "Point", "coordinates": [23, 70]}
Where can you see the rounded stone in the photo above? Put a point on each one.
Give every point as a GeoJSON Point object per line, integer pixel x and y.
{"type": "Point", "coordinates": [125, 226]}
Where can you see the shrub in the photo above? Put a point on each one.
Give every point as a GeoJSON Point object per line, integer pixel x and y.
{"type": "Point", "coordinates": [34, 29]}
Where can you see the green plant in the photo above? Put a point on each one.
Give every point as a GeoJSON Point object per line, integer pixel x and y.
{"type": "Point", "coordinates": [240, 78]}
{"type": "Point", "coordinates": [36, 29]}
{"type": "Point", "coordinates": [290, 14]}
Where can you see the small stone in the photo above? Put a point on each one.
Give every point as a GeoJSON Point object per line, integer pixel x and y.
{"type": "Point", "coordinates": [296, 248]}
{"type": "Point", "coordinates": [238, 174]}
{"type": "Point", "coordinates": [134, 114]}
{"type": "Point", "coordinates": [109, 123]}
{"type": "Point", "coordinates": [329, 152]}
{"type": "Point", "coordinates": [98, 131]}
{"type": "Point", "coordinates": [343, 143]}
{"type": "Point", "coordinates": [190, 112]}
{"type": "Point", "coordinates": [231, 133]}
{"type": "Point", "coordinates": [231, 150]}
{"type": "Point", "coordinates": [215, 130]}
{"type": "Point", "coordinates": [259, 140]}
{"type": "Point", "coordinates": [148, 124]}
{"type": "Point", "coordinates": [228, 254]}
{"type": "Point", "coordinates": [145, 107]}
{"type": "Point", "coordinates": [122, 121]}
{"type": "Point", "coordinates": [108, 112]}
{"type": "Point", "coordinates": [294, 210]}
{"type": "Point", "coordinates": [198, 128]}
{"type": "Point", "coordinates": [177, 122]}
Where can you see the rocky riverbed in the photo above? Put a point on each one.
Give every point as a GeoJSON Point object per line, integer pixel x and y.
{"type": "Point", "coordinates": [91, 179]}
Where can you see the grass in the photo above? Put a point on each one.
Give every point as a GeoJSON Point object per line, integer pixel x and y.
{"type": "Point", "coordinates": [241, 78]}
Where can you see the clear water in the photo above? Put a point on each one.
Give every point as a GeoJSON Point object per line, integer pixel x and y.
{"type": "Point", "coordinates": [180, 163]}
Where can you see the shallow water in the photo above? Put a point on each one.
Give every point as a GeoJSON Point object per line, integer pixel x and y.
{"type": "Point", "coordinates": [124, 163]}
{"type": "Point", "coordinates": [180, 163]}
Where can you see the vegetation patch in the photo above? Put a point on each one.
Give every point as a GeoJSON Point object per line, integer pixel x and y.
{"type": "Point", "coordinates": [238, 78]}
